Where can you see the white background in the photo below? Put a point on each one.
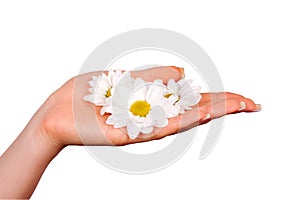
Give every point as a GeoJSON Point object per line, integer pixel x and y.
{"type": "Point", "coordinates": [255, 46]}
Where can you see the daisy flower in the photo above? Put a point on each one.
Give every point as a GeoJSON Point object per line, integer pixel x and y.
{"type": "Point", "coordinates": [102, 89]}
{"type": "Point", "coordinates": [137, 105]}
{"type": "Point", "coordinates": [180, 96]}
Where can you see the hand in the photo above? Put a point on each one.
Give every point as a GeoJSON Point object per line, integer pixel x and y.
{"type": "Point", "coordinates": [66, 119]}
{"type": "Point", "coordinates": [71, 121]}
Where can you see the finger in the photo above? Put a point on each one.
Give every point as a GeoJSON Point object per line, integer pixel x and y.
{"type": "Point", "coordinates": [210, 97]}
{"type": "Point", "coordinates": [164, 73]}
{"type": "Point", "coordinates": [230, 106]}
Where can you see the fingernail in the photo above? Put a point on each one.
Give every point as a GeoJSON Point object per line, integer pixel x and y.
{"type": "Point", "coordinates": [207, 116]}
{"type": "Point", "coordinates": [242, 105]}
{"type": "Point", "coordinates": [258, 107]}
{"type": "Point", "coordinates": [180, 70]}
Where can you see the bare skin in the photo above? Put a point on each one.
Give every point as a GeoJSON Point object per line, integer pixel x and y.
{"type": "Point", "coordinates": [65, 119]}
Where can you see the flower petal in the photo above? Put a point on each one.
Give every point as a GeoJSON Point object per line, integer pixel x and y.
{"type": "Point", "coordinates": [185, 89]}
{"type": "Point", "coordinates": [139, 119]}
{"type": "Point", "coordinates": [173, 98]}
{"type": "Point", "coordinates": [189, 100]}
{"type": "Point", "coordinates": [157, 113]}
{"type": "Point", "coordinates": [106, 109]}
{"type": "Point", "coordinates": [116, 78]}
{"type": "Point", "coordinates": [196, 89]}
{"type": "Point", "coordinates": [147, 130]}
{"type": "Point", "coordinates": [161, 123]}
{"type": "Point", "coordinates": [121, 123]}
{"type": "Point", "coordinates": [89, 97]}
{"type": "Point", "coordinates": [138, 94]}
{"type": "Point", "coordinates": [155, 94]}
{"type": "Point", "coordinates": [110, 75]}
{"type": "Point", "coordinates": [110, 120]}
{"type": "Point", "coordinates": [138, 82]}
{"type": "Point", "coordinates": [121, 119]}
{"type": "Point", "coordinates": [95, 99]}
{"type": "Point", "coordinates": [171, 110]}
{"type": "Point", "coordinates": [121, 96]}
{"type": "Point", "coordinates": [99, 100]}
{"type": "Point", "coordinates": [132, 130]}
{"type": "Point", "coordinates": [173, 86]}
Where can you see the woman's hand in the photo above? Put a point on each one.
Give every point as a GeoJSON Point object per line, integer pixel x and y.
{"type": "Point", "coordinates": [69, 120]}
{"type": "Point", "coordinates": [66, 119]}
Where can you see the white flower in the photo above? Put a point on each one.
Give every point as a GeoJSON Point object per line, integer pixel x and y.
{"type": "Point", "coordinates": [102, 89]}
{"type": "Point", "coordinates": [180, 96]}
{"type": "Point", "coordinates": [137, 106]}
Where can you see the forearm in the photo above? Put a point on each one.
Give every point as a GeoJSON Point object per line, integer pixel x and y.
{"type": "Point", "coordinates": [24, 162]}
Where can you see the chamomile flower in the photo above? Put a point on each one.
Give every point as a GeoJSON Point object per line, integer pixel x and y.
{"type": "Point", "coordinates": [102, 89]}
{"type": "Point", "coordinates": [137, 105]}
{"type": "Point", "coordinates": [180, 97]}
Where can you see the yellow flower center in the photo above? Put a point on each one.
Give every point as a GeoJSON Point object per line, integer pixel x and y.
{"type": "Point", "coordinates": [140, 108]}
{"type": "Point", "coordinates": [177, 100]}
{"type": "Point", "coordinates": [108, 93]}
{"type": "Point", "coordinates": [168, 95]}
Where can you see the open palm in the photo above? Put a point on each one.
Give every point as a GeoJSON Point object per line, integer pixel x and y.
{"type": "Point", "coordinates": [70, 120]}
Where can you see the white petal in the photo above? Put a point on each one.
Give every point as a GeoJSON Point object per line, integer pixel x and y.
{"type": "Point", "coordinates": [132, 130]}
{"type": "Point", "coordinates": [182, 111]}
{"type": "Point", "coordinates": [171, 110]}
{"type": "Point", "coordinates": [110, 75]}
{"type": "Point", "coordinates": [196, 89]}
{"type": "Point", "coordinates": [122, 115]}
{"type": "Point", "coordinates": [198, 98]}
{"type": "Point", "coordinates": [158, 81]}
{"type": "Point", "coordinates": [157, 113]}
{"type": "Point", "coordinates": [89, 97]}
{"type": "Point", "coordinates": [148, 120]}
{"type": "Point", "coordinates": [182, 82]}
{"type": "Point", "coordinates": [139, 119]}
{"type": "Point", "coordinates": [98, 90]}
{"type": "Point", "coordinates": [103, 75]}
{"type": "Point", "coordinates": [173, 98]}
{"type": "Point", "coordinates": [185, 89]}
{"type": "Point", "coordinates": [121, 96]}
{"type": "Point", "coordinates": [104, 84]}
{"type": "Point", "coordinates": [147, 130]}
{"type": "Point", "coordinates": [95, 99]}
{"type": "Point", "coordinates": [121, 119]}
{"type": "Point", "coordinates": [106, 109]}
{"type": "Point", "coordinates": [186, 107]}
{"type": "Point", "coordinates": [138, 94]}
{"type": "Point", "coordinates": [121, 123]}
{"type": "Point", "coordinates": [155, 94]}
{"type": "Point", "coordinates": [161, 123]}
{"type": "Point", "coordinates": [110, 120]}
{"type": "Point", "coordinates": [126, 79]}
{"type": "Point", "coordinates": [138, 82]}
{"type": "Point", "coordinates": [99, 100]}
{"type": "Point", "coordinates": [189, 100]}
{"type": "Point", "coordinates": [173, 86]}
{"type": "Point", "coordinates": [93, 82]}
{"type": "Point", "coordinates": [116, 77]}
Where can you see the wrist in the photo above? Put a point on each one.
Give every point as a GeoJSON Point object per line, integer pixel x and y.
{"type": "Point", "coordinates": [39, 140]}
{"type": "Point", "coordinates": [24, 162]}
{"type": "Point", "coordinates": [40, 131]}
